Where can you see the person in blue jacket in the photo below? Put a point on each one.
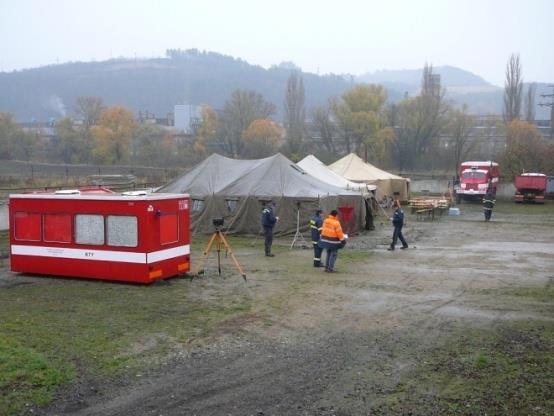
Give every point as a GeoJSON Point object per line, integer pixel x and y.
{"type": "Point", "coordinates": [268, 222]}
{"type": "Point", "coordinates": [315, 228]}
{"type": "Point", "coordinates": [398, 223]}
{"type": "Point", "coordinates": [488, 204]}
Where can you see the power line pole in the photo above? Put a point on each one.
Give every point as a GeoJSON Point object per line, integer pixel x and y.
{"type": "Point", "coordinates": [551, 105]}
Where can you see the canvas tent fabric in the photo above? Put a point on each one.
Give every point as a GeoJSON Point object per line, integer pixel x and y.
{"type": "Point", "coordinates": [353, 168]}
{"type": "Point", "coordinates": [237, 189]}
{"type": "Point", "coordinates": [317, 168]}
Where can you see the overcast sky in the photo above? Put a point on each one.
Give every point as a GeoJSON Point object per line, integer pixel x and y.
{"type": "Point", "coordinates": [340, 36]}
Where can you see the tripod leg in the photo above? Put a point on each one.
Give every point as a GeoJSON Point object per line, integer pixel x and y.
{"type": "Point", "coordinates": [219, 236]}
{"type": "Point", "coordinates": [230, 251]}
{"type": "Point", "coordinates": [205, 254]}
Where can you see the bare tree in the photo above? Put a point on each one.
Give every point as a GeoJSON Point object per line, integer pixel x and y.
{"type": "Point", "coordinates": [321, 117]}
{"type": "Point", "coordinates": [430, 82]}
{"type": "Point", "coordinates": [513, 86]}
{"type": "Point", "coordinates": [238, 113]}
{"type": "Point", "coordinates": [530, 102]}
{"type": "Point", "coordinates": [295, 112]}
{"type": "Point", "coordinates": [89, 109]}
{"type": "Point", "coordinates": [343, 127]}
{"type": "Point", "coordinates": [419, 122]}
{"type": "Point", "coordinates": [459, 128]}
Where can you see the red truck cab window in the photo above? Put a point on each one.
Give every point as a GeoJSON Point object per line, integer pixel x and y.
{"type": "Point", "coordinates": [27, 226]}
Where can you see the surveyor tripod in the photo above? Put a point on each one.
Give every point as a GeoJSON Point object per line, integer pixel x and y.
{"type": "Point", "coordinates": [220, 242]}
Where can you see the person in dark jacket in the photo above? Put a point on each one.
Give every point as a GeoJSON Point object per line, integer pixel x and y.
{"type": "Point", "coordinates": [488, 204]}
{"type": "Point", "coordinates": [316, 223]}
{"type": "Point", "coordinates": [268, 222]}
{"type": "Point", "coordinates": [332, 239]}
{"type": "Point", "coordinates": [398, 223]}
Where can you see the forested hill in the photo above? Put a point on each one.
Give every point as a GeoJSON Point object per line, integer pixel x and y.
{"type": "Point", "coordinates": [155, 85]}
{"type": "Point", "coordinates": [450, 77]}
{"type": "Point", "coordinates": [195, 77]}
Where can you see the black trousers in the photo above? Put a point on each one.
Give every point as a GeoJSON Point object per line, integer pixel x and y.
{"type": "Point", "coordinates": [268, 239]}
{"type": "Point", "coordinates": [397, 235]}
{"type": "Point", "coordinates": [488, 213]}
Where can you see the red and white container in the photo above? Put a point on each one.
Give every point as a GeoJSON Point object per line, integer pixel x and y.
{"type": "Point", "coordinates": [97, 234]}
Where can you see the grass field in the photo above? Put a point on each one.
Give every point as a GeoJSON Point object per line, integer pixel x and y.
{"type": "Point", "coordinates": [55, 331]}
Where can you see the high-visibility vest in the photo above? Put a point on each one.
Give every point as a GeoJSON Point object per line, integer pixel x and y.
{"type": "Point", "coordinates": [332, 229]}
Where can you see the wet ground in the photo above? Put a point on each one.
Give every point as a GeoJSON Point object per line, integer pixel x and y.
{"type": "Point", "coordinates": [338, 344]}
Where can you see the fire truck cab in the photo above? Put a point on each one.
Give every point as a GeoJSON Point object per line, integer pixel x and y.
{"type": "Point", "coordinates": [475, 178]}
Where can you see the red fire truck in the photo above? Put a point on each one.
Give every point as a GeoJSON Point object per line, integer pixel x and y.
{"type": "Point", "coordinates": [131, 237]}
{"type": "Point", "coordinates": [530, 187]}
{"type": "Point", "coordinates": [475, 178]}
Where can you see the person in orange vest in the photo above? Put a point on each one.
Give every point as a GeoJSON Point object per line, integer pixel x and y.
{"type": "Point", "coordinates": [332, 239]}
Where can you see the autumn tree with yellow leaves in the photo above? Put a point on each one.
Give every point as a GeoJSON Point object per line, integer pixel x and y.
{"type": "Point", "coordinates": [262, 138]}
{"type": "Point", "coordinates": [112, 136]}
{"type": "Point", "coordinates": [207, 131]}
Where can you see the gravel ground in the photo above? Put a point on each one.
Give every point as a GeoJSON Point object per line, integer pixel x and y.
{"type": "Point", "coordinates": [339, 347]}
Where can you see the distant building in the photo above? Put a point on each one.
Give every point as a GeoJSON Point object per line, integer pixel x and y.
{"type": "Point", "coordinates": [40, 129]}
{"type": "Point", "coordinates": [187, 117]}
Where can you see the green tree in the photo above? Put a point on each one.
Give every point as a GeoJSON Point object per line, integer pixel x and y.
{"type": "Point", "coordinates": [15, 143]}
{"type": "Point", "coordinates": [152, 146]}
{"type": "Point", "coordinates": [72, 146]}
{"type": "Point", "coordinates": [359, 114]}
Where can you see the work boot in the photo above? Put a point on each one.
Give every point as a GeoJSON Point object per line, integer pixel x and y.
{"type": "Point", "coordinates": [390, 249]}
{"type": "Point", "coordinates": [317, 263]}
{"type": "Point", "coordinates": [404, 247]}
{"type": "Point", "coordinates": [270, 255]}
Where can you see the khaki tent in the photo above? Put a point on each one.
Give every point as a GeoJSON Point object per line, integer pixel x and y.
{"type": "Point", "coordinates": [317, 168]}
{"type": "Point", "coordinates": [237, 189]}
{"type": "Point", "coordinates": [353, 168]}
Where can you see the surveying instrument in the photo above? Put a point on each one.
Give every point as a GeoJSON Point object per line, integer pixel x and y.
{"type": "Point", "coordinates": [220, 242]}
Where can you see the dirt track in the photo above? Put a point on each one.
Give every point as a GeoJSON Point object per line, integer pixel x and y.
{"type": "Point", "coordinates": [340, 343]}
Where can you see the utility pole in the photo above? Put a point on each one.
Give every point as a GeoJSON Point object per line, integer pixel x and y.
{"type": "Point", "coordinates": [551, 105]}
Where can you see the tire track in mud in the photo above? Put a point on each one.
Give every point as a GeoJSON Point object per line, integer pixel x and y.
{"type": "Point", "coordinates": [351, 356]}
